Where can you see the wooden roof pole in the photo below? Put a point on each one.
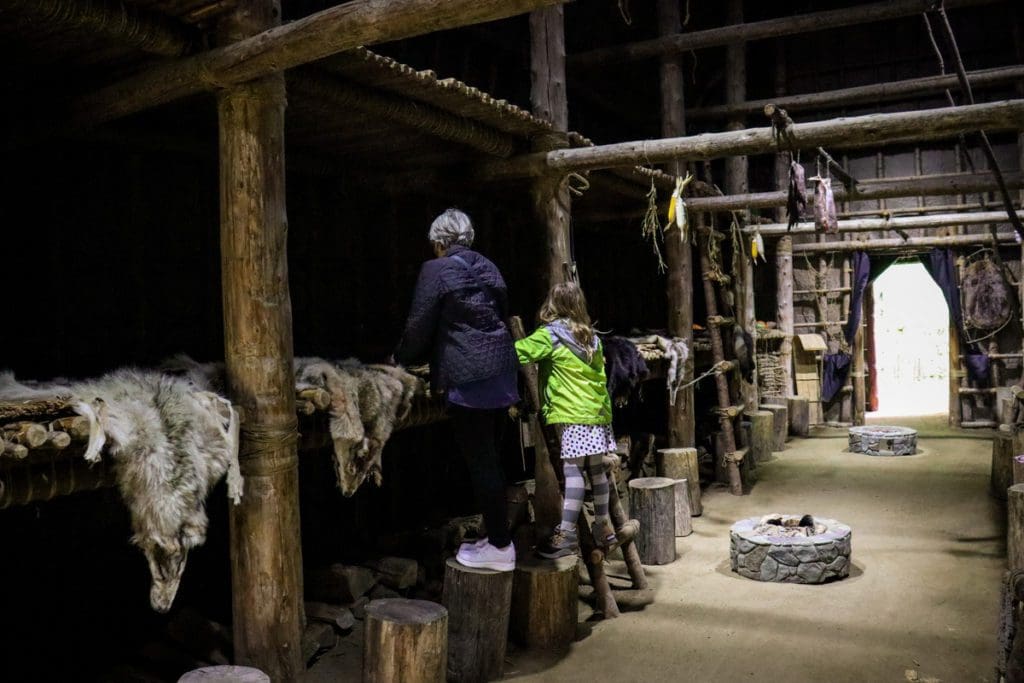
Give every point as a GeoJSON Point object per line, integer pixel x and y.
{"type": "Point", "coordinates": [678, 253]}
{"type": "Point", "coordinates": [338, 28]}
{"type": "Point", "coordinates": [784, 245]}
{"type": "Point", "coordinates": [882, 188]}
{"type": "Point", "coordinates": [758, 30]}
{"type": "Point", "coordinates": [864, 94]}
{"type": "Point", "coordinates": [843, 133]}
{"type": "Point", "coordinates": [266, 553]}
{"type": "Point", "coordinates": [118, 22]}
{"type": "Point", "coordinates": [943, 220]}
{"type": "Point", "coordinates": [914, 244]}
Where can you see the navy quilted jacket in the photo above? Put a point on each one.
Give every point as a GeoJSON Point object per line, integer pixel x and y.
{"type": "Point", "coordinates": [457, 325]}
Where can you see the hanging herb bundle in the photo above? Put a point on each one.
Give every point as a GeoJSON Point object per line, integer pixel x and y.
{"type": "Point", "coordinates": [651, 227]}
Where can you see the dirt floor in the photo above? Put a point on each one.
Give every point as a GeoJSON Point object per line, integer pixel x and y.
{"type": "Point", "coordinates": [920, 604]}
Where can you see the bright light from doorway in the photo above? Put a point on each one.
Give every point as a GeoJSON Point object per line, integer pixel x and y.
{"type": "Point", "coordinates": [911, 342]}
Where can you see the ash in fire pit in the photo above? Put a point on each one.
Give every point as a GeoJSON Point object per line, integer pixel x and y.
{"type": "Point", "coordinates": [790, 548]}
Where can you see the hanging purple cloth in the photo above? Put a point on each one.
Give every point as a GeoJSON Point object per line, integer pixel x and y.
{"type": "Point", "coordinates": [941, 265]}
{"type": "Point", "coordinates": [836, 366]}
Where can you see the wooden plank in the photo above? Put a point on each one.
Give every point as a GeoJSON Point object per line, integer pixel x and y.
{"type": "Point", "coordinates": [943, 220]}
{"type": "Point", "coordinates": [901, 245]}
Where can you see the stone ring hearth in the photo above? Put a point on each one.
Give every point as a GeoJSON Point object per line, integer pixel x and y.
{"type": "Point", "coordinates": [790, 548]}
{"type": "Point", "coordinates": [883, 440]}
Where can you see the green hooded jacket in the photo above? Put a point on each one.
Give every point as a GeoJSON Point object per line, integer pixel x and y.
{"type": "Point", "coordinates": [574, 390]}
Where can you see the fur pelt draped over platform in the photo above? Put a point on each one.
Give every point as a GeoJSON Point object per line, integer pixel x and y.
{"type": "Point", "coordinates": [624, 366]}
{"type": "Point", "coordinates": [171, 441]}
{"type": "Point", "coordinates": [367, 401]}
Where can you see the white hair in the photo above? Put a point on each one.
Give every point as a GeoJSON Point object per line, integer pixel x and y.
{"type": "Point", "coordinates": [452, 227]}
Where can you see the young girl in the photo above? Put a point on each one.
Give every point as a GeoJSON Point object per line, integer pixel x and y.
{"type": "Point", "coordinates": [577, 403]}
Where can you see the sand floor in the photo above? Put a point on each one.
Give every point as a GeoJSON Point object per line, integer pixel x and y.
{"type": "Point", "coordinates": [920, 604]}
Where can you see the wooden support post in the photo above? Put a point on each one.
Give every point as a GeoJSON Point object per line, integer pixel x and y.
{"type": "Point", "coordinates": [544, 595]}
{"type": "Point", "coordinates": [736, 182]}
{"type": "Point", "coordinates": [678, 254]}
{"type": "Point", "coordinates": [652, 502]}
{"type": "Point", "coordinates": [858, 373]}
{"type": "Point", "coordinates": [548, 99]}
{"type": "Point", "coordinates": [761, 435]}
{"type": "Point", "coordinates": [266, 555]}
{"type": "Point", "coordinates": [593, 560]}
{"type": "Point", "coordinates": [681, 463]}
{"type": "Point", "coordinates": [478, 602]}
{"type": "Point", "coordinates": [405, 640]}
{"type": "Point", "coordinates": [1002, 465]}
{"type": "Point", "coordinates": [956, 373]}
{"type": "Point", "coordinates": [721, 383]}
{"type": "Point", "coordinates": [1015, 527]}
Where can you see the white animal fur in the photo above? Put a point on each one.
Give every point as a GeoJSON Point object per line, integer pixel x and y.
{"type": "Point", "coordinates": [170, 442]}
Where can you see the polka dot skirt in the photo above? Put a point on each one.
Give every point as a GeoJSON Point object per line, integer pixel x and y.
{"type": "Point", "coordinates": [582, 440]}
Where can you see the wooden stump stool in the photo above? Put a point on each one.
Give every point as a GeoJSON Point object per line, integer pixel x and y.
{"type": "Point", "coordinates": [1002, 464]}
{"type": "Point", "coordinates": [225, 674]}
{"type": "Point", "coordinates": [684, 525]}
{"type": "Point", "coordinates": [544, 596]}
{"type": "Point", "coordinates": [761, 435]}
{"type": "Point", "coordinates": [478, 603]}
{"type": "Point", "coordinates": [681, 463]}
{"type": "Point", "coordinates": [780, 425]}
{"type": "Point", "coordinates": [405, 640]}
{"type": "Point", "coordinates": [799, 416]}
{"type": "Point", "coordinates": [1015, 527]}
{"type": "Point", "coordinates": [652, 501]}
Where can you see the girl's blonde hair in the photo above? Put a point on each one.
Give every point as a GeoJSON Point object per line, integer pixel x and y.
{"type": "Point", "coordinates": [566, 300]}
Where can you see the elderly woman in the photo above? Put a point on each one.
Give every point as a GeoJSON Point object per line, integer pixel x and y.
{"type": "Point", "coordinates": [457, 321]}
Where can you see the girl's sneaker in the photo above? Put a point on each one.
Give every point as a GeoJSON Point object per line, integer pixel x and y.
{"type": "Point", "coordinates": [486, 556]}
{"type": "Point", "coordinates": [604, 536]}
{"type": "Point", "coordinates": [562, 543]}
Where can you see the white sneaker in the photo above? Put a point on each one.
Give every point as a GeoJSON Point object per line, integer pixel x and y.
{"type": "Point", "coordinates": [486, 556]}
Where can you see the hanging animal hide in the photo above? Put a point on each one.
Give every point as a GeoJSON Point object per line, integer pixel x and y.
{"type": "Point", "coordinates": [796, 201]}
{"type": "Point", "coordinates": [171, 442]}
{"type": "Point", "coordinates": [677, 353]}
{"type": "Point", "coordinates": [824, 206]}
{"type": "Point", "coordinates": [624, 366]}
{"type": "Point", "coordinates": [987, 301]}
{"type": "Point", "coordinates": [367, 401]}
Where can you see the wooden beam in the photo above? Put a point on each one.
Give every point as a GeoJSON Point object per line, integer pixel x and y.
{"type": "Point", "coordinates": [914, 244]}
{"type": "Point", "coordinates": [840, 133]}
{"type": "Point", "coordinates": [864, 94]}
{"type": "Point", "coordinates": [119, 23]}
{"type": "Point", "coordinates": [881, 188]}
{"type": "Point", "coordinates": [783, 247]}
{"type": "Point", "coordinates": [550, 192]}
{"type": "Point", "coordinates": [319, 35]}
{"type": "Point", "coordinates": [759, 30]}
{"type": "Point", "coordinates": [266, 553]}
{"type": "Point", "coordinates": [901, 223]}
{"type": "Point", "coordinates": [678, 253]}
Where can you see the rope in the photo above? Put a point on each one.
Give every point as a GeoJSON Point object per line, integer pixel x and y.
{"type": "Point", "coordinates": [267, 450]}
{"type": "Point", "coordinates": [718, 368]}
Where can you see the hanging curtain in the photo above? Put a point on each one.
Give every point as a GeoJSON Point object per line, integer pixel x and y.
{"type": "Point", "coordinates": [836, 366]}
{"type": "Point", "coordinates": [941, 265]}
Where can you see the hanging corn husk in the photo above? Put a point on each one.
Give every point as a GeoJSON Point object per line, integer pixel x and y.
{"type": "Point", "coordinates": [824, 206]}
{"type": "Point", "coordinates": [651, 227]}
{"type": "Point", "coordinates": [677, 208]}
{"type": "Point", "coordinates": [757, 247]}
{"type": "Point", "coordinates": [796, 200]}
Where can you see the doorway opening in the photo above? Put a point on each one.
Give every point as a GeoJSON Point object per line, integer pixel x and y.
{"type": "Point", "coordinates": [911, 342]}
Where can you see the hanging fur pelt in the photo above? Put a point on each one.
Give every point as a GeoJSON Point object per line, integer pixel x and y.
{"type": "Point", "coordinates": [367, 401]}
{"type": "Point", "coordinates": [624, 366]}
{"type": "Point", "coordinates": [676, 352]}
{"type": "Point", "coordinates": [824, 206]}
{"type": "Point", "coordinates": [170, 441]}
{"type": "Point", "coordinates": [796, 201]}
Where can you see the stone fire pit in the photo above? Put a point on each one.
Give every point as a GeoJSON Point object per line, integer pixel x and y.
{"type": "Point", "coordinates": [883, 440]}
{"type": "Point", "coordinates": [790, 549]}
